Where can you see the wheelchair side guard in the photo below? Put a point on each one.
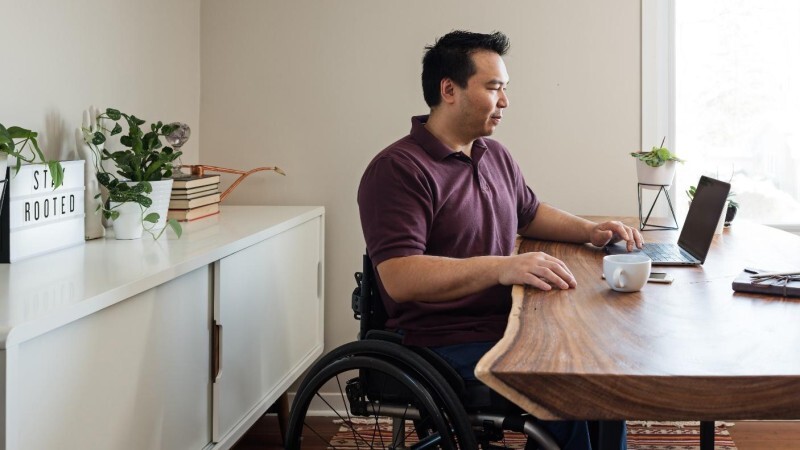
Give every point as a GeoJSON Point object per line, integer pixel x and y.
{"type": "Point", "coordinates": [360, 295]}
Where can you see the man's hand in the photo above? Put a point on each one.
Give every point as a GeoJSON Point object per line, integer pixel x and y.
{"type": "Point", "coordinates": [536, 269]}
{"type": "Point", "coordinates": [614, 231]}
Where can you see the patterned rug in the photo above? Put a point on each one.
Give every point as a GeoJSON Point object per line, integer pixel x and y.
{"type": "Point", "coordinates": [641, 436]}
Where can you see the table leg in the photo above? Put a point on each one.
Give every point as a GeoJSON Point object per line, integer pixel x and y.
{"type": "Point", "coordinates": [610, 434]}
{"type": "Point", "coordinates": [707, 435]}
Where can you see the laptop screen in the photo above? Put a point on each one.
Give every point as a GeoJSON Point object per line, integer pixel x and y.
{"type": "Point", "coordinates": [703, 216]}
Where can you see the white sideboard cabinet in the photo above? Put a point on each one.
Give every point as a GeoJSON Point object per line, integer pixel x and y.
{"type": "Point", "coordinates": [170, 344]}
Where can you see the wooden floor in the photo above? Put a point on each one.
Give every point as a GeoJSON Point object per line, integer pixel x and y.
{"type": "Point", "coordinates": [766, 435]}
{"type": "Point", "coordinates": [265, 435]}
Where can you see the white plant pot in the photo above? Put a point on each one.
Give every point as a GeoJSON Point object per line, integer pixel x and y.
{"type": "Point", "coordinates": [721, 223]}
{"type": "Point", "coordinates": [160, 197]}
{"type": "Point", "coordinates": [160, 205]}
{"type": "Point", "coordinates": [658, 176]}
{"type": "Point", "coordinates": [129, 223]}
{"type": "Point", "coordinates": [3, 167]}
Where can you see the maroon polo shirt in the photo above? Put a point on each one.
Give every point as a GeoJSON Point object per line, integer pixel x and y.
{"type": "Point", "coordinates": [419, 197]}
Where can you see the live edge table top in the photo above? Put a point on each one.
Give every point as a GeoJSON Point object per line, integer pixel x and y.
{"type": "Point", "coordinates": [690, 350]}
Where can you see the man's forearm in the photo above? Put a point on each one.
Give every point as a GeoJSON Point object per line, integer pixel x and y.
{"type": "Point", "coordinates": [423, 278]}
{"type": "Point", "coordinates": [437, 279]}
{"type": "Point", "coordinates": [553, 224]}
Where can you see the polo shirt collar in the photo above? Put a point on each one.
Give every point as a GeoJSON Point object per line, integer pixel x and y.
{"type": "Point", "coordinates": [434, 146]}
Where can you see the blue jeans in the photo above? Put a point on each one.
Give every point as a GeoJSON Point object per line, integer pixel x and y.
{"type": "Point", "coordinates": [569, 434]}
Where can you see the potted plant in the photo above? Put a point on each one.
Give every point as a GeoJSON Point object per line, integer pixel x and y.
{"type": "Point", "coordinates": [657, 167]}
{"type": "Point", "coordinates": [13, 142]}
{"type": "Point", "coordinates": [732, 206]}
{"type": "Point", "coordinates": [138, 193]}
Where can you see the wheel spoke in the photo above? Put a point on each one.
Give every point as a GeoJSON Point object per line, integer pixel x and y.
{"type": "Point", "coordinates": [427, 442]}
{"type": "Point", "coordinates": [346, 423]}
{"type": "Point", "coordinates": [382, 391]}
{"type": "Point", "coordinates": [346, 409]}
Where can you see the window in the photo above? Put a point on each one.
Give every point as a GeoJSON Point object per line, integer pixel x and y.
{"type": "Point", "coordinates": [734, 88]}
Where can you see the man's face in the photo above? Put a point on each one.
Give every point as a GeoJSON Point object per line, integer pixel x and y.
{"type": "Point", "coordinates": [482, 102]}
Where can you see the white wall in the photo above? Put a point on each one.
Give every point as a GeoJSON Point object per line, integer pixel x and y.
{"type": "Point", "coordinates": [59, 57]}
{"type": "Point", "coordinates": [318, 88]}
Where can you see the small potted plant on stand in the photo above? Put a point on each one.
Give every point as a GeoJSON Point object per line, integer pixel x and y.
{"type": "Point", "coordinates": [656, 168]}
{"type": "Point", "coordinates": [139, 192]}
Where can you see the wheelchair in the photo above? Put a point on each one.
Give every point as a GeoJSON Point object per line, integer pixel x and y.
{"type": "Point", "coordinates": [392, 396]}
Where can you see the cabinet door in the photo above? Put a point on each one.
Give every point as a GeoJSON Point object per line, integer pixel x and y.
{"type": "Point", "coordinates": [269, 307]}
{"type": "Point", "coordinates": [132, 376]}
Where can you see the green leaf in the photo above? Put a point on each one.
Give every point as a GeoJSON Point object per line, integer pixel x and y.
{"type": "Point", "coordinates": [143, 200]}
{"type": "Point", "coordinates": [113, 114]}
{"type": "Point", "coordinates": [103, 178]}
{"type": "Point", "coordinates": [176, 227]}
{"type": "Point", "coordinates": [112, 215]}
{"type": "Point", "coordinates": [127, 141]}
{"type": "Point", "coordinates": [21, 133]}
{"type": "Point", "coordinates": [98, 138]}
{"type": "Point", "coordinates": [36, 148]}
{"type": "Point", "coordinates": [149, 141]}
{"type": "Point", "coordinates": [117, 129]}
{"type": "Point", "coordinates": [152, 218]}
{"type": "Point", "coordinates": [57, 172]}
{"type": "Point", "coordinates": [6, 143]}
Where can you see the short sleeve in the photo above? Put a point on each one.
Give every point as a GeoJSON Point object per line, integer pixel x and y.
{"type": "Point", "coordinates": [395, 204]}
{"type": "Point", "coordinates": [527, 202]}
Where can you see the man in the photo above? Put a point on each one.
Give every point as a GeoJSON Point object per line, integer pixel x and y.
{"type": "Point", "coordinates": [441, 208]}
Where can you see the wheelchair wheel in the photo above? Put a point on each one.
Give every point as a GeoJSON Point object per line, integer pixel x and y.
{"type": "Point", "coordinates": [380, 406]}
{"type": "Point", "coordinates": [420, 369]}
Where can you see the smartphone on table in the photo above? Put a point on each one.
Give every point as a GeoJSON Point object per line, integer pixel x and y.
{"type": "Point", "coordinates": [660, 277]}
{"type": "Point", "coordinates": [657, 277]}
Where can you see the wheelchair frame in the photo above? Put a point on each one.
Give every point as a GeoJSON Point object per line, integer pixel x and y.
{"type": "Point", "coordinates": [436, 386]}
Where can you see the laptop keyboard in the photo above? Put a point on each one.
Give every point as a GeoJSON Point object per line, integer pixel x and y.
{"type": "Point", "coordinates": [666, 252]}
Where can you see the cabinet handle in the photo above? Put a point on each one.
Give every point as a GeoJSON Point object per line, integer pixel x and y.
{"type": "Point", "coordinates": [216, 352]}
{"type": "Point", "coordinates": [319, 279]}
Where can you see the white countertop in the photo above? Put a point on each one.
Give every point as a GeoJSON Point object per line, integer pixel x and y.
{"type": "Point", "coordinates": [43, 293]}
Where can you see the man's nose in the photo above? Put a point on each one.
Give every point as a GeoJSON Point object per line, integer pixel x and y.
{"type": "Point", "coordinates": [502, 102]}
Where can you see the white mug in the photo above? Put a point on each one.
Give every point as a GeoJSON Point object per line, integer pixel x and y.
{"type": "Point", "coordinates": [626, 273]}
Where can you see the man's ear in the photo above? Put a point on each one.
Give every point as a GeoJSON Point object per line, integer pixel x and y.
{"type": "Point", "coordinates": [447, 89]}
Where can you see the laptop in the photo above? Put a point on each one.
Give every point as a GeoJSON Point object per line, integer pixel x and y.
{"type": "Point", "coordinates": [698, 229]}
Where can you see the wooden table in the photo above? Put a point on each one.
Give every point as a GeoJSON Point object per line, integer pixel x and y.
{"type": "Point", "coordinates": [692, 350]}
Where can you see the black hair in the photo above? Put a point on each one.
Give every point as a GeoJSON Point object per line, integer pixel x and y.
{"type": "Point", "coordinates": [451, 57]}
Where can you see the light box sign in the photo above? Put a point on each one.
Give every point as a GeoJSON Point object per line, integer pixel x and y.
{"type": "Point", "coordinates": [38, 219]}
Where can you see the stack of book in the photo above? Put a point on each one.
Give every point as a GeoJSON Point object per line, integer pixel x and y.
{"type": "Point", "coordinates": [194, 197]}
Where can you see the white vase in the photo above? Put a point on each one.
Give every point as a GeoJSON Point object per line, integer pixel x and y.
{"type": "Point", "coordinates": [129, 223]}
{"type": "Point", "coordinates": [721, 223]}
{"type": "Point", "coordinates": [3, 167]}
{"type": "Point", "coordinates": [657, 176]}
{"type": "Point", "coordinates": [160, 197]}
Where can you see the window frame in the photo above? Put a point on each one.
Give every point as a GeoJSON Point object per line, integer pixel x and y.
{"type": "Point", "coordinates": [658, 80]}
